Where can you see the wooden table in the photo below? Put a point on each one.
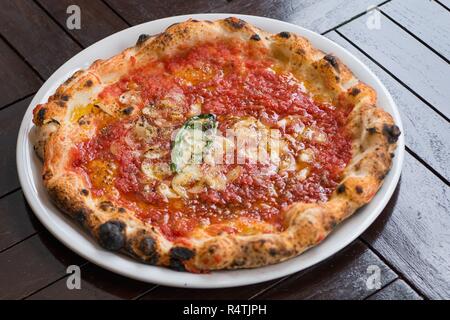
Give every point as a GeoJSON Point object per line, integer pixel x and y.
{"type": "Point", "coordinates": [410, 241]}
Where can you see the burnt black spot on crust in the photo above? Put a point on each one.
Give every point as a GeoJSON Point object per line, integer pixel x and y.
{"type": "Point", "coordinates": [355, 92]}
{"type": "Point", "coordinates": [359, 189]}
{"type": "Point", "coordinates": [142, 38]}
{"type": "Point", "coordinates": [273, 252]}
{"type": "Point", "coordinates": [235, 22]}
{"type": "Point", "coordinates": [333, 223]}
{"type": "Point", "coordinates": [284, 34]}
{"type": "Point", "coordinates": [148, 246]}
{"type": "Point", "coordinates": [372, 130]}
{"type": "Point", "coordinates": [122, 210]}
{"type": "Point", "coordinates": [341, 188]}
{"type": "Point", "coordinates": [392, 132]}
{"type": "Point", "coordinates": [127, 111]}
{"type": "Point", "coordinates": [106, 206]}
{"type": "Point", "coordinates": [80, 216]}
{"type": "Point", "coordinates": [41, 115]}
{"type": "Point", "coordinates": [111, 235]}
{"type": "Point", "coordinates": [332, 61]}
{"type": "Point", "coordinates": [255, 37]}
{"type": "Point", "coordinates": [181, 253]}
{"type": "Point", "coordinates": [84, 192]}
{"type": "Point", "coordinates": [65, 97]}
{"type": "Point", "coordinates": [89, 83]}
{"type": "Point", "coordinates": [60, 103]}
{"type": "Point", "coordinates": [176, 265]}
{"type": "Point", "coordinates": [392, 155]}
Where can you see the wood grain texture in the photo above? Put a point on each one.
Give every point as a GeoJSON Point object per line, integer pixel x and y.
{"type": "Point", "coordinates": [10, 119]}
{"type": "Point", "coordinates": [318, 16]}
{"type": "Point", "coordinates": [343, 276]}
{"type": "Point", "coordinates": [97, 19]}
{"type": "Point", "coordinates": [425, 19]}
{"type": "Point", "coordinates": [397, 290]}
{"type": "Point", "coordinates": [38, 39]}
{"type": "Point", "coordinates": [17, 221]}
{"type": "Point", "coordinates": [19, 79]}
{"type": "Point", "coordinates": [427, 134]}
{"type": "Point", "coordinates": [33, 264]}
{"type": "Point", "coordinates": [405, 57]}
{"type": "Point", "coordinates": [414, 237]}
{"type": "Point", "coordinates": [96, 284]}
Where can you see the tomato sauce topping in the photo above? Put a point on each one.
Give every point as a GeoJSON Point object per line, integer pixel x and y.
{"type": "Point", "coordinates": [231, 80]}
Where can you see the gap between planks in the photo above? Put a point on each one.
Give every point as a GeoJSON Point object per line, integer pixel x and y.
{"type": "Point", "coordinates": [415, 37]}
{"type": "Point", "coordinates": [394, 76]}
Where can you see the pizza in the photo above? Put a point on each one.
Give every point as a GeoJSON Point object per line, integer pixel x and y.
{"type": "Point", "coordinates": [213, 145]}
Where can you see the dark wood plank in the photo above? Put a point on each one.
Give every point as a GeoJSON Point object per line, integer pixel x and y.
{"type": "Point", "coordinates": [425, 19]}
{"type": "Point", "coordinates": [405, 57]}
{"type": "Point", "coordinates": [10, 119]}
{"type": "Point", "coordinates": [427, 134]}
{"type": "Point", "coordinates": [17, 221]}
{"type": "Point", "coordinates": [38, 38]}
{"type": "Point", "coordinates": [19, 80]}
{"type": "Point", "coordinates": [342, 276]}
{"type": "Point", "coordinates": [319, 16]}
{"type": "Point", "coordinates": [97, 19]}
{"type": "Point", "coordinates": [397, 290]}
{"type": "Point", "coordinates": [96, 284]}
{"type": "Point", "coordinates": [33, 264]}
{"type": "Point", "coordinates": [414, 237]}
{"type": "Point", "coordinates": [238, 293]}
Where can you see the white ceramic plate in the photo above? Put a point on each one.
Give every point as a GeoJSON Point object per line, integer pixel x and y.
{"type": "Point", "coordinates": [75, 238]}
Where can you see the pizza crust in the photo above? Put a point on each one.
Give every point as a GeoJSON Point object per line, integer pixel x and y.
{"type": "Point", "coordinates": [373, 132]}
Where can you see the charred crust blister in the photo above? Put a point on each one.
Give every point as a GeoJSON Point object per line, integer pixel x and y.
{"type": "Point", "coordinates": [65, 97]}
{"type": "Point", "coordinates": [106, 206]}
{"type": "Point", "coordinates": [127, 111]}
{"type": "Point", "coordinates": [148, 246]}
{"type": "Point", "coordinates": [178, 255]}
{"type": "Point", "coordinates": [341, 188]}
{"type": "Point", "coordinates": [255, 37]}
{"type": "Point", "coordinates": [284, 34]}
{"type": "Point", "coordinates": [392, 132]}
{"type": "Point", "coordinates": [181, 253]}
{"type": "Point", "coordinates": [355, 92]}
{"type": "Point", "coordinates": [84, 192]}
{"type": "Point", "coordinates": [235, 22]}
{"type": "Point", "coordinates": [41, 115]}
{"type": "Point", "coordinates": [372, 130]}
{"type": "Point", "coordinates": [111, 235]}
{"type": "Point", "coordinates": [359, 189]}
{"type": "Point", "coordinates": [80, 216]}
{"type": "Point", "coordinates": [122, 210]}
{"type": "Point", "coordinates": [177, 265]}
{"type": "Point", "coordinates": [142, 38]}
{"type": "Point", "coordinates": [88, 83]}
{"type": "Point", "coordinates": [332, 61]}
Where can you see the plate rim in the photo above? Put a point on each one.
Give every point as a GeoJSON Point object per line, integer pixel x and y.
{"type": "Point", "coordinates": [189, 280]}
